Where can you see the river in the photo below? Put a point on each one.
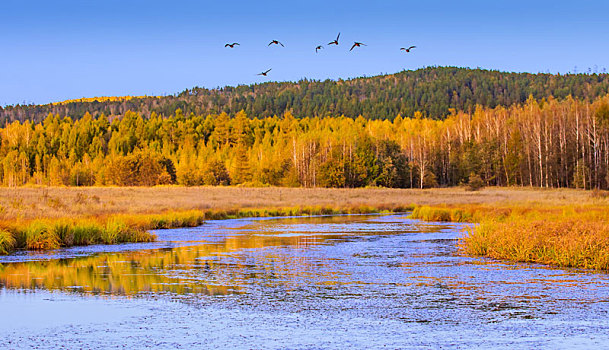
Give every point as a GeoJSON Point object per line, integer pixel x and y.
{"type": "Point", "coordinates": [332, 282]}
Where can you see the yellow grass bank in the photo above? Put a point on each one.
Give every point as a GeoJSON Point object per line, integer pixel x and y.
{"type": "Point", "coordinates": [53, 233]}
{"type": "Point", "coordinates": [558, 235]}
{"type": "Point", "coordinates": [51, 217]}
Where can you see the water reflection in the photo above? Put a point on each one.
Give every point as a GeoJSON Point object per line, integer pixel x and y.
{"type": "Point", "coordinates": [386, 274]}
{"type": "Point", "coordinates": [327, 257]}
{"type": "Point", "coordinates": [207, 269]}
{"type": "Point", "coordinates": [220, 267]}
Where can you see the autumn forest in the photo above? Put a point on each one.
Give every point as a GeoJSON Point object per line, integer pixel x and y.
{"type": "Point", "coordinates": [547, 143]}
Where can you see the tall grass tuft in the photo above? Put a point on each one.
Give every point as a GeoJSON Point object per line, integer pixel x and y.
{"type": "Point", "coordinates": [114, 228]}
{"type": "Point", "coordinates": [86, 232]}
{"type": "Point", "coordinates": [7, 242]}
{"type": "Point", "coordinates": [40, 236]}
{"type": "Point", "coordinates": [62, 229]}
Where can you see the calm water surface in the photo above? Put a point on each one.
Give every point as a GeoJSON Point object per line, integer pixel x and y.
{"type": "Point", "coordinates": [362, 281]}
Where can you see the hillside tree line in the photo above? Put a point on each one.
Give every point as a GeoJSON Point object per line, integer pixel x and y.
{"type": "Point", "coordinates": [542, 143]}
{"type": "Point", "coordinates": [432, 91]}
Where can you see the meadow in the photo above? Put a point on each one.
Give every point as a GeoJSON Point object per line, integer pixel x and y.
{"type": "Point", "coordinates": [57, 202]}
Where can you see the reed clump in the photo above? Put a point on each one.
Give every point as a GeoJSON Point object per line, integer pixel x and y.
{"type": "Point", "coordinates": [41, 236]}
{"type": "Point", "coordinates": [471, 213]}
{"type": "Point", "coordinates": [46, 234]}
{"type": "Point", "coordinates": [564, 236]}
{"type": "Point", "coordinates": [7, 242]}
{"type": "Point", "coordinates": [86, 232]}
{"type": "Point", "coordinates": [576, 240]}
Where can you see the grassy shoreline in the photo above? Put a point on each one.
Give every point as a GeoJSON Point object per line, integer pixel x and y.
{"type": "Point", "coordinates": [53, 233]}
{"type": "Point", "coordinates": [563, 236]}
{"type": "Point", "coordinates": [520, 224]}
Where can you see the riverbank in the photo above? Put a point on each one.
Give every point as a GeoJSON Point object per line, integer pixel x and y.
{"type": "Point", "coordinates": [52, 217]}
{"type": "Point", "coordinates": [353, 281]}
{"type": "Point", "coordinates": [53, 233]}
{"type": "Point", "coordinates": [565, 236]}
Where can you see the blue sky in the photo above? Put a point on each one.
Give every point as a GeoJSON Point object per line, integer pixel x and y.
{"type": "Point", "coordinates": [57, 50]}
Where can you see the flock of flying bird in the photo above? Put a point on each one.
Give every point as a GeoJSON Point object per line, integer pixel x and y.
{"type": "Point", "coordinates": [334, 42]}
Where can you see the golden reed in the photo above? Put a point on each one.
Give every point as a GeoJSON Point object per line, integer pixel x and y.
{"type": "Point", "coordinates": [565, 236]}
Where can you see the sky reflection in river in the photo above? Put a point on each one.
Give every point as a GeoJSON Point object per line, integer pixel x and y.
{"type": "Point", "coordinates": [367, 268]}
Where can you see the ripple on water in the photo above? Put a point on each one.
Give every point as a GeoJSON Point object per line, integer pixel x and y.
{"type": "Point", "coordinates": [360, 281]}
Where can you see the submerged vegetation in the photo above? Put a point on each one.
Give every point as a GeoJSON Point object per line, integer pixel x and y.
{"type": "Point", "coordinates": [565, 236]}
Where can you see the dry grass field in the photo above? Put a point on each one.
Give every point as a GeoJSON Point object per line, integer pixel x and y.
{"type": "Point", "coordinates": [56, 202]}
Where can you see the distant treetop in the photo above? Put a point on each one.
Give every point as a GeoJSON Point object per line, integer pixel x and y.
{"type": "Point", "coordinates": [432, 91]}
{"type": "Point", "coordinates": [102, 99]}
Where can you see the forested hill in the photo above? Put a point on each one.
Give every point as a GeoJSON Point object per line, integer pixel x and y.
{"type": "Point", "coordinates": [432, 91]}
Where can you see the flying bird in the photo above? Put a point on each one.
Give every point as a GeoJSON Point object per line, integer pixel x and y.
{"type": "Point", "coordinates": [265, 73]}
{"type": "Point", "coordinates": [318, 48]}
{"type": "Point", "coordinates": [232, 46]}
{"type": "Point", "coordinates": [356, 44]}
{"type": "Point", "coordinates": [407, 49]}
{"type": "Point", "coordinates": [276, 42]}
{"type": "Point", "coordinates": [335, 42]}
